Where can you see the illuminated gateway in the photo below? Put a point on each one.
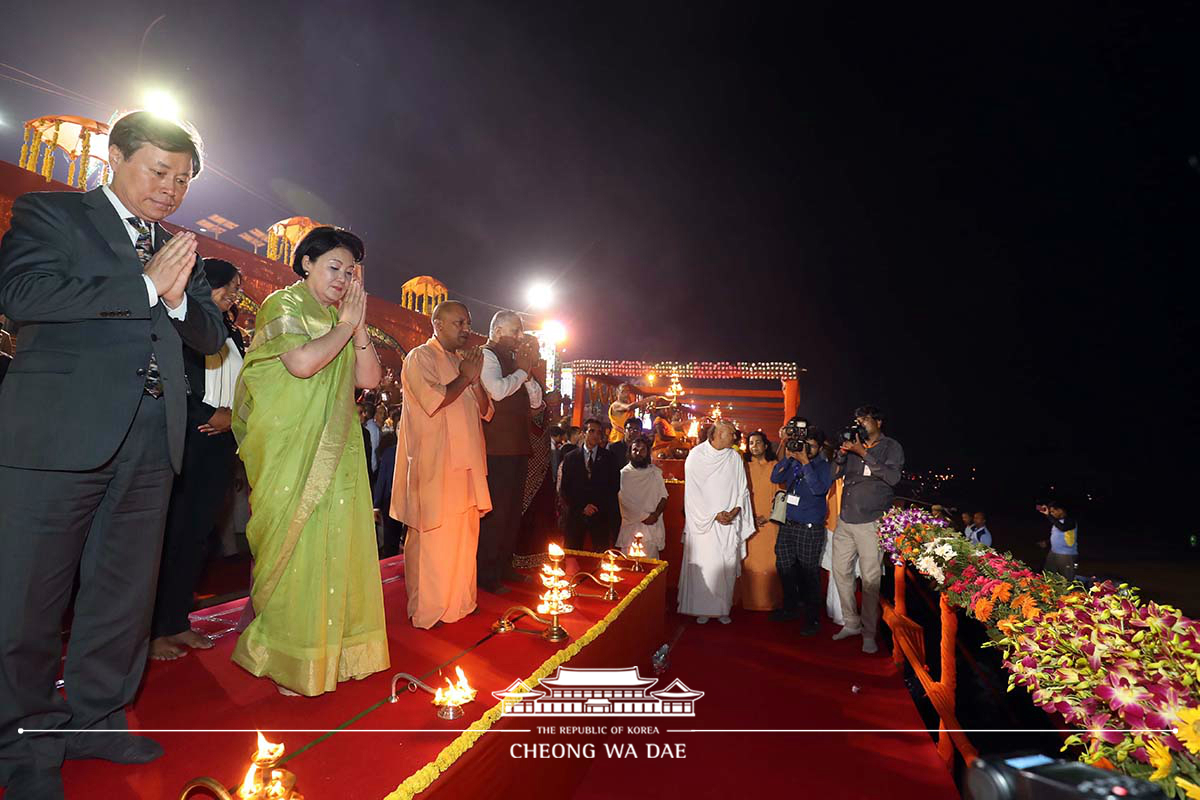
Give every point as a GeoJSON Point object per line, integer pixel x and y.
{"type": "Point", "coordinates": [599, 693]}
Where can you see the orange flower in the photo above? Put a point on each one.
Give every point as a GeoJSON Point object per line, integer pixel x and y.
{"type": "Point", "coordinates": [983, 609]}
{"type": "Point", "coordinates": [1007, 625]}
{"type": "Point", "coordinates": [1002, 592]}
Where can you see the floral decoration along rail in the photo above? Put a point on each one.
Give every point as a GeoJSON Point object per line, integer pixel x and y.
{"type": "Point", "coordinates": [1103, 659]}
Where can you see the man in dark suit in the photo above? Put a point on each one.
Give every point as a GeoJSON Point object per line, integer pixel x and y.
{"type": "Point", "coordinates": [620, 450]}
{"type": "Point", "coordinates": [589, 489]}
{"type": "Point", "coordinates": [103, 298]}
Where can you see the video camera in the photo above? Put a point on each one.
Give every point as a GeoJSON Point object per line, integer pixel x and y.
{"type": "Point", "coordinates": [854, 432]}
{"type": "Point", "coordinates": [796, 431]}
{"type": "Point", "coordinates": [1033, 776]}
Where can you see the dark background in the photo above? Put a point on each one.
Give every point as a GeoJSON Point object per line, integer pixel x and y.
{"type": "Point", "coordinates": [980, 219]}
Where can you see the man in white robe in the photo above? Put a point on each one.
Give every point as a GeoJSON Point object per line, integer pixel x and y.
{"type": "Point", "coordinates": [719, 518]}
{"type": "Point", "coordinates": [643, 497]}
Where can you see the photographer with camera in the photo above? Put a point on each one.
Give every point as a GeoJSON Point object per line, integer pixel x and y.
{"type": "Point", "coordinates": [870, 465]}
{"type": "Point", "coordinates": [807, 475]}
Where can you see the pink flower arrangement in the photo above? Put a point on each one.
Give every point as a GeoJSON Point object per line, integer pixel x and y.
{"type": "Point", "coordinates": [1125, 672]}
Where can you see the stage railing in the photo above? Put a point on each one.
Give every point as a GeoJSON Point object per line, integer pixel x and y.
{"type": "Point", "coordinates": [908, 638]}
{"type": "Point", "coordinates": [908, 643]}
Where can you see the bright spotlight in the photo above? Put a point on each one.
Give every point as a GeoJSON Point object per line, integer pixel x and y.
{"type": "Point", "coordinates": [540, 296]}
{"type": "Point", "coordinates": [555, 331]}
{"type": "Point", "coordinates": [159, 102]}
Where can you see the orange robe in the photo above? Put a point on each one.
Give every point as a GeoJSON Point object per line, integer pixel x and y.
{"type": "Point", "coordinates": [440, 488]}
{"type": "Point", "coordinates": [759, 585]}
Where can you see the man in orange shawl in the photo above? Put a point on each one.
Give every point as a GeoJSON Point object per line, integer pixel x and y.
{"type": "Point", "coordinates": [440, 487]}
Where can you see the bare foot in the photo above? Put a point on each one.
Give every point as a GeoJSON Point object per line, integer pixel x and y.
{"type": "Point", "coordinates": [286, 692]}
{"type": "Point", "coordinates": [196, 641]}
{"type": "Point", "coordinates": [163, 649]}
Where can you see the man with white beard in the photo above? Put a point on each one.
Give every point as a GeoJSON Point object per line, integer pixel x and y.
{"type": "Point", "coordinates": [643, 498]}
{"type": "Point", "coordinates": [719, 519]}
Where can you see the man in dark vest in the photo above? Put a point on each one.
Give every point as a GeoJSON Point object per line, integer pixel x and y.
{"type": "Point", "coordinates": [104, 298]}
{"type": "Point", "coordinates": [507, 377]}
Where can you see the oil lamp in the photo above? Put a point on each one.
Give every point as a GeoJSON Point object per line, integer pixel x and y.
{"type": "Point", "coordinates": [637, 549]}
{"type": "Point", "coordinates": [263, 780]}
{"type": "Point", "coordinates": [449, 702]}
{"type": "Point", "coordinates": [553, 601]}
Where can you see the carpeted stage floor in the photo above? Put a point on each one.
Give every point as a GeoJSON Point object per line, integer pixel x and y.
{"type": "Point", "coordinates": [755, 675]}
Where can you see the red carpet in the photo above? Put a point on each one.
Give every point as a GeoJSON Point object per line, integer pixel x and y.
{"type": "Point", "coordinates": [755, 675]}
{"type": "Point", "coordinates": [762, 675]}
{"type": "Point", "coordinates": [205, 690]}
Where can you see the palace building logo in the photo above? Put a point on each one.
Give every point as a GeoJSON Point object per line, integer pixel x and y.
{"type": "Point", "coordinates": [598, 693]}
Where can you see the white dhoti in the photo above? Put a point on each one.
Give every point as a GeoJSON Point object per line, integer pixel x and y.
{"type": "Point", "coordinates": [715, 481]}
{"type": "Point", "coordinates": [641, 492]}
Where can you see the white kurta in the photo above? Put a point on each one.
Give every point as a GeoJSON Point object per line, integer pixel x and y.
{"type": "Point", "coordinates": [714, 481]}
{"type": "Point", "coordinates": [641, 492]}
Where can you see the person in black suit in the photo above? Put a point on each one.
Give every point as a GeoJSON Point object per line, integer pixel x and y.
{"type": "Point", "coordinates": [104, 299]}
{"type": "Point", "coordinates": [589, 488]}
{"type": "Point", "coordinates": [199, 492]}
{"type": "Point", "coordinates": [620, 450]}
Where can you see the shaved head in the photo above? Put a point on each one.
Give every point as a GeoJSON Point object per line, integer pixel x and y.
{"type": "Point", "coordinates": [452, 325]}
{"type": "Point", "coordinates": [722, 435]}
{"type": "Point", "coordinates": [439, 311]}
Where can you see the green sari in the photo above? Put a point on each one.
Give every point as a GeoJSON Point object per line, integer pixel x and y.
{"type": "Point", "coordinates": [317, 592]}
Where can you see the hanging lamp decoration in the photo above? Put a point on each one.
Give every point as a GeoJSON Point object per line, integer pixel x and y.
{"type": "Point", "coordinates": [83, 142]}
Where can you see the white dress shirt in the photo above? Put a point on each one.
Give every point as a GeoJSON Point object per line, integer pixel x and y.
{"type": "Point", "coordinates": [500, 387]}
{"type": "Point", "coordinates": [179, 313]}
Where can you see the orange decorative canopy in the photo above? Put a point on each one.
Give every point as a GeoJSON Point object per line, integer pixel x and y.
{"type": "Point", "coordinates": [82, 140]}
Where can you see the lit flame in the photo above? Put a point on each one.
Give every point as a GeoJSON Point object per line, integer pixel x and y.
{"type": "Point", "coordinates": [694, 429]}
{"type": "Point", "coordinates": [636, 550]}
{"type": "Point", "coordinates": [556, 551]}
{"type": "Point", "coordinates": [456, 694]}
{"type": "Point", "coordinates": [249, 787]}
{"type": "Point", "coordinates": [268, 751]}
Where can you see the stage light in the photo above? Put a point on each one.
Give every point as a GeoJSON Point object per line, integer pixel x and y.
{"type": "Point", "coordinates": [540, 295]}
{"type": "Point", "coordinates": [158, 102]}
{"type": "Point", "coordinates": [555, 331]}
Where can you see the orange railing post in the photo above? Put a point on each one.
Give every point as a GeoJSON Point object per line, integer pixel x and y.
{"type": "Point", "coordinates": [900, 604]}
{"type": "Point", "coordinates": [909, 644]}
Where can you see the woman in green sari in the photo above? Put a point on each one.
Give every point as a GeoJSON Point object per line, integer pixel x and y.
{"type": "Point", "coordinates": [317, 594]}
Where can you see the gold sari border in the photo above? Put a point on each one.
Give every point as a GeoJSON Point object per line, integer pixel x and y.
{"type": "Point", "coordinates": [277, 327]}
{"type": "Point", "coordinates": [423, 778]}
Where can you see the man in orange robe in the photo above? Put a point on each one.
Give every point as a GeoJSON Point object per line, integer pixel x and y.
{"type": "Point", "coordinates": [440, 487]}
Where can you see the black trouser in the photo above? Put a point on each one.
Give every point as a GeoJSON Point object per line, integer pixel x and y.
{"type": "Point", "coordinates": [108, 524]}
{"type": "Point", "coordinates": [498, 530]}
{"type": "Point", "coordinates": [798, 561]}
{"type": "Point", "coordinates": [599, 526]}
{"type": "Point", "coordinates": [393, 536]}
{"type": "Point", "coordinates": [196, 500]}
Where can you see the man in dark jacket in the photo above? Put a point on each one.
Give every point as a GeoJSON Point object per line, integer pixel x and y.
{"type": "Point", "coordinates": [589, 489]}
{"type": "Point", "coordinates": [870, 465]}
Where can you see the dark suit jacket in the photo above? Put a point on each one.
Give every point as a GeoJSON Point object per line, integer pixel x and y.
{"type": "Point", "coordinates": [71, 280]}
{"type": "Point", "coordinates": [600, 490]}
{"type": "Point", "coordinates": [198, 410]}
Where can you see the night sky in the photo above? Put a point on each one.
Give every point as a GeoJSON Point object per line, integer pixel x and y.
{"type": "Point", "coordinates": [982, 220]}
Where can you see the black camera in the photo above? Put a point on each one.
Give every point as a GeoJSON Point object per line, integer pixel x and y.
{"type": "Point", "coordinates": [1033, 776]}
{"type": "Point", "coordinates": [855, 432]}
{"type": "Point", "coordinates": [797, 434]}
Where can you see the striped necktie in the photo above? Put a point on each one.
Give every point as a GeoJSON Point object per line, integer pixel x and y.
{"type": "Point", "coordinates": [145, 249]}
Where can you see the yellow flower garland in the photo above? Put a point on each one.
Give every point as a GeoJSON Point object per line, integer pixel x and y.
{"type": "Point", "coordinates": [423, 778]}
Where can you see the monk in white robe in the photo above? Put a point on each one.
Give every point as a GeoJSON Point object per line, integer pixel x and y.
{"type": "Point", "coordinates": [719, 518]}
{"type": "Point", "coordinates": [643, 498]}
{"type": "Point", "coordinates": [440, 487]}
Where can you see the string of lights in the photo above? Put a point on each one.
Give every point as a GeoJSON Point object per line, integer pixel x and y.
{"type": "Point", "coordinates": [719, 370]}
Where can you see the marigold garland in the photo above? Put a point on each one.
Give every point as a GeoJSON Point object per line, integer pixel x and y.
{"type": "Point", "coordinates": [423, 778]}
